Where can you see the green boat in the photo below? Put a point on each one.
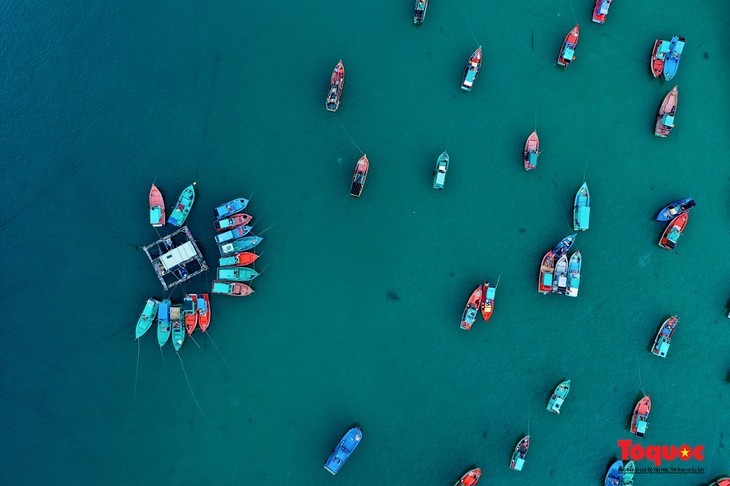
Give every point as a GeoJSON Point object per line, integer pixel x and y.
{"type": "Point", "coordinates": [163, 322]}
{"type": "Point", "coordinates": [629, 470]}
{"type": "Point", "coordinates": [183, 206]}
{"type": "Point", "coordinates": [178, 330]}
{"type": "Point", "coordinates": [556, 400]}
{"type": "Point", "coordinates": [439, 175]}
{"type": "Point", "coordinates": [237, 274]}
{"type": "Point", "coordinates": [582, 209]}
{"type": "Point", "coordinates": [146, 318]}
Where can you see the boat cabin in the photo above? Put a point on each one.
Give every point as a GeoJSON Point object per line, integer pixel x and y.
{"type": "Point", "coordinates": [582, 218]}
{"type": "Point", "coordinates": [568, 55]}
{"type": "Point", "coordinates": [641, 426]}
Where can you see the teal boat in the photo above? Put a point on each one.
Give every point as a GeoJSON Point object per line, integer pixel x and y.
{"type": "Point", "coordinates": [582, 209]}
{"type": "Point", "coordinates": [241, 244]}
{"type": "Point", "coordinates": [177, 327]}
{"type": "Point", "coordinates": [237, 274]}
{"type": "Point", "coordinates": [439, 175]}
{"type": "Point", "coordinates": [558, 396]}
{"type": "Point", "coordinates": [183, 206]}
{"type": "Point", "coordinates": [574, 275]}
{"type": "Point", "coordinates": [629, 470]}
{"type": "Point", "coordinates": [146, 318]}
{"type": "Point", "coordinates": [163, 322]}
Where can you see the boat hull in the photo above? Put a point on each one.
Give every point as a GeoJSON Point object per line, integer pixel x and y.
{"type": "Point", "coordinates": [520, 453]}
{"type": "Point", "coordinates": [665, 115]}
{"type": "Point", "coordinates": [237, 274]}
{"type": "Point", "coordinates": [531, 152]}
{"type": "Point", "coordinates": [442, 167]}
{"type": "Point", "coordinates": [574, 265]}
{"type": "Point", "coordinates": [614, 475]}
{"type": "Point", "coordinates": [234, 289]}
{"type": "Point", "coordinates": [241, 259]}
{"type": "Point", "coordinates": [360, 176]}
{"type": "Point", "coordinates": [163, 322]}
{"type": "Point", "coordinates": [472, 308]}
{"type": "Point", "coordinates": [671, 211]}
{"type": "Point", "coordinates": [567, 51]}
{"type": "Point", "coordinates": [664, 337]}
{"type": "Point", "coordinates": [558, 397]}
{"type": "Point", "coordinates": [157, 207]}
{"type": "Point", "coordinates": [190, 313]}
{"type": "Point", "coordinates": [600, 11]}
{"type": "Point", "coordinates": [419, 11]}
{"type": "Point", "coordinates": [234, 221]}
{"type": "Point", "coordinates": [673, 231]}
{"type": "Point", "coordinates": [658, 55]}
{"type": "Point", "coordinates": [337, 86]}
{"type": "Point", "coordinates": [671, 64]}
{"type": "Point", "coordinates": [471, 478]}
{"type": "Point", "coordinates": [230, 208]}
{"type": "Point", "coordinates": [487, 307]}
{"type": "Point", "coordinates": [640, 417]}
{"type": "Point", "coordinates": [203, 311]}
{"type": "Point", "coordinates": [547, 269]}
{"type": "Point", "coordinates": [472, 70]}
{"type": "Point", "coordinates": [582, 209]}
{"type": "Point", "coordinates": [344, 449]}
{"type": "Point", "coordinates": [240, 245]}
{"type": "Point", "coordinates": [146, 318]}
{"type": "Point", "coordinates": [183, 206]}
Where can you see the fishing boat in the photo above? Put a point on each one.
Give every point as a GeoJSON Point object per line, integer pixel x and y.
{"type": "Point", "coordinates": [163, 322]}
{"type": "Point", "coordinates": [640, 416]}
{"type": "Point", "coordinates": [560, 276]}
{"type": "Point", "coordinates": [235, 289]}
{"type": "Point", "coordinates": [567, 50]}
{"type": "Point", "coordinates": [360, 175]}
{"type": "Point", "coordinates": [488, 303]}
{"type": "Point", "coordinates": [203, 302]}
{"type": "Point", "coordinates": [564, 246]}
{"type": "Point", "coordinates": [582, 209]}
{"type": "Point", "coordinates": [574, 275]}
{"type": "Point", "coordinates": [722, 482]}
{"type": "Point", "coordinates": [658, 55]}
{"type": "Point", "coordinates": [233, 222]}
{"type": "Point", "coordinates": [146, 318]}
{"type": "Point", "coordinates": [343, 450]}
{"type": "Point", "coordinates": [600, 11]}
{"type": "Point", "coordinates": [337, 85]}
{"type": "Point", "coordinates": [239, 245]}
{"type": "Point", "coordinates": [531, 151]}
{"type": "Point", "coordinates": [629, 471]}
{"type": "Point", "coordinates": [230, 208]}
{"type": "Point", "coordinates": [419, 12]}
{"type": "Point", "coordinates": [238, 259]}
{"type": "Point", "coordinates": [671, 63]}
{"type": "Point", "coordinates": [178, 329]}
{"type": "Point", "coordinates": [157, 207]}
{"type": "Point", "coordinates": [558, 396]}
{"type": "Point", "coordinates": [233, 234]}
{"type": "Point", "coordinates": [182, 207]}
{"type": "Point", "coordinates": [472, 308]}
{"type": "Point", "coordinates": [190, 312]}
{"type": "Point", "coordinates": [614, 474]}
{"type": "Point", "coordinates": [664, 337]}
{"type": "Point", "coordinates": [665, 116]}
{"type": "Point", "coordinates": [471, 478]}
{"type": "Point", "coordinates": [673, 231]}
{"type": "Point", "coordinates": [237, 274]}
{"type": "Point", "coordinates": [471, 72]}
{"type": "Point", "coordinates": [518, 456]}
{"type": "Point", "coordinates": [545, 280]}
{"type": "Point", "coordinates": [671, 211]}
{"type": "Point", "coordinates": [439, 175]}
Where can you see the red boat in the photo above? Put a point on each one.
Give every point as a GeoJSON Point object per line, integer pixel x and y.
{"type": "Point", "coordinates": [360, 175]}
{"type": "Point", "coordinates": [532, 150]}
{"type": "Point", "coordinates": [658, 55]}
{"type": "Point", "coordinates": [471, 72]}
{"type": "Point", "coordinates": [233, 222]}
{"type": "Point", "coordinates": [665, 117]}
{"type": "Point", "coordinates": [722, 482]}
{"type": "Point", "coordinates": [337, 84]}
{"type": "Point", "coordinates": [191, 315]}
{"type": "Point", "coordinates": [547, 267]}
{"type": "Point", "coordinates": [472, 308]}
{"type": "Point", "coordinates": [488, 301]}
{"type": "Point", "coordinates": [673, 231]}
{"type": "Point", "coordinates": [203, 312]}
{"type": "Point", "coordinates": [470, 479]}
{"type": "Point", "coordinates": [639, 419]}
{"type": "Point", "coordinates": [600, 11]}
{"type": "Point", "coordinates": [245, 258]}
{"type": "Point", "coordinates": [567, 51]}
{"type": "Point", "coordinates": [235, 289]}
{"type": "Point", "coordinates": [157, 207]}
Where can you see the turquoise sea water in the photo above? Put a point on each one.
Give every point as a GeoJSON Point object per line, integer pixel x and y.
{"type": "Point", "coordinates": [356, 316]}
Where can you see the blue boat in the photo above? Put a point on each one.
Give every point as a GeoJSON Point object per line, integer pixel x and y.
{"type": "Point", "coordinates": [163, 322]}
{"type": "Point", "coordinates": [671, 63]}
{"type": "Point", "coordinates": [671, 211]}
{"type": "Point", "coordinates": [241, 244]}
{"type": "Point", "coordinates": [582, 209]}
{"type": "Point", "coordinates": [233, 234]}
{"type": "Point", "coordinates": [574, 275]}
{"type": "Point", "coordinates": [230, 208]}
{"type": "Point", "coordinates": [342, 452]}
{"type": "Point", "coordinates": [614, 474]}
{"type": "Point", "coordinates": [564, 246]}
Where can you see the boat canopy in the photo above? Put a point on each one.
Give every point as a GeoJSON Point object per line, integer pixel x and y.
{"type": "Point", "coordinates": [155, 215]}
{"type": "Point", "coordinates": [575, 281]}
{"type": "Point", "coordinates": [226, 261]}
{"type": "Point", "coordinates": [222, 287]}
{"type": "Point", "coordinates": [490, 293]}
{"type": "Point", "coordinates": [568, 54]}
{"type": "Point", "coordinates": [163, 312]}
{"type": "Point", "coordinates": [519, 462]}
{"type": "Point", "coordinates": [583, 217]}
{"type": "Point", "coordinates": [547, 279]}
{"type": "Point", "coordinates": [605, 4]}
{"type": "Point", "coordinates": [668, 120]}
{"type": "Point", "coordinates": [532, 159]}
{"type": "Point", "coordinates": [227, 273]}
{"type": "Point", "coordinates": [178, 255]}
{"type": "Point", "coordinates": [674, 234]}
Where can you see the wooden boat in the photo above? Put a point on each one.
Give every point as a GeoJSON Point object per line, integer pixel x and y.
{"type": "Point", "coordinates": [439, 175]}
{"type": "Point", "coordinates": [531, 151]}
{"type": "Point", "coordinates": [190, 312]}
{"type": "Point", "coordinates": [233, 222]}
{"type": "Point", "coordinates": [560, 276]}
{"type": "Point", "coordinates": [239, 245]}
{"type": "Point", "coordinates": [471, 72]}
{"type": "Point", "coordinates": [233, 234]}
{"type": "Point", "coordinates": [471, 478]}
{"type": "Point", "coordinates": [671, 211]}
{"type": "Point", "coordinates": [640, 416]}
{"type": "Point", "coordinates": [582, 209]}
{"type": "Point", "coordinates": [157, 207]}
{"type": "Point", "coordinates": [182, 207]}
{"type": "Point", "coordinates": [337, 85]}
{"type": "Point", "coordinates": [146, 318]}
{"type": "Point", "coordinates": [472, 308]}
{"type": "Point", "coordinates": [203, 302]}
{"type": "Point", "coordinates": [614, 475]}
{"type": "Point", "coordinates": [658, 55]}
{"type": "Point", "coordinates": [238, 259]}
{"type": "Point", "coordinates": [163, 322]}
{"type": "Point", "coordinates": [178, 328]}
{"type": "Point", "coordinates": [235, 289]}
{"type": "Point", "coordinates": [360, 175]}
{"type": "Point", "coordinates": [558, 397]}
{"type": "Point", "coordinates": [343, 450]}
{"type": "Point", "coordinates": [629, 471]}
{"type": "Point", "coordinates": [488, 293]}
{"type": "Point", "coordinates": [518, 456]}
{"type": "Point", "coordinates": [671, 63]}
{"type": "Point", "coordinates": [564, 246]}
{"type": "Point", "coordinates": [419, 11]}
{"type": "Point", "coordinates": [567, 50]}
{"type": "Point", "coordinates": [722, 482]}
{"type": "Point", "coordinates": [600, 11]}
{"type": "Point", "coordinates": [230, 208]}
{"type": "Point", "coordinates": [574, 275]}
{"type": "Point", "coordinates": [664, 337]}
{"type": "Point", "coordinates": [237, 274]}
{"type": "Point", "coordinates": [673, 231]}
{"type": "Point", "coordinates": [545, 280]}
{"type": "Point", "coordinates": [665, 116]}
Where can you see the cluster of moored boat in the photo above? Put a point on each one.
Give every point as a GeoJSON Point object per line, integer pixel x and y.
{"type": "Point", "coordinates": [175, 320]}
{"type": "Point", "coordinates": [677, 214]}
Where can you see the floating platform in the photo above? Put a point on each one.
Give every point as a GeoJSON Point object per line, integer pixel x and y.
{"type": "Point", "coordinates": [176, 258]}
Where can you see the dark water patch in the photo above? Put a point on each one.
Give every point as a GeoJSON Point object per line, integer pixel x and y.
{"type": "Point", "coordinates": [428, 54]}
{"type": "Point", "coordinates": [522, 230]}
{"type": "Point", "coordinates": [484, 434]}
{"type": "Point", "coordinates": [706, 55]}
{"type": "Point", "coordinates": [451, 274]}
{"type": "Point", "coordinates": [392, 295]}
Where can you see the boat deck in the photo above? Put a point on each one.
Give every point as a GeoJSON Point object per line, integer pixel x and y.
{"type": "Point", "coordinates": [176, 258]}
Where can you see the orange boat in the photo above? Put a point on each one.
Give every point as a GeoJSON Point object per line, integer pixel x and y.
{"type": "Point", "coordinates": [531, 152]}
{"type": "Point", "coordinates": [488, 301]}
{"type": "Point", "coordinates": [673, 231]}
{"type": "Point", "coordinates": [567, 51]}
{"type": "Point", "coordinates": [471, 478]}
{"type": "Point", "coordinates": [658, 56]}
{"type": "Point", "coordinates": [639, 420]}
{"type": "Point", "coordinates": [360, 175]}
{"type": "Point", "coordinates": [203, 311]}
{"type": "Point", "coordinates": [545, 280]}
{"type": "Point", "coordinates": [241, 259]}
{"type": "Point", "coordinates": [157, 207]}
{"type": "Point", "coordinates": [472, 308]}
{"type": "Point", "coordinates": [190, 304]}
{"type": "Point", "coordinates": [665, 117]}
